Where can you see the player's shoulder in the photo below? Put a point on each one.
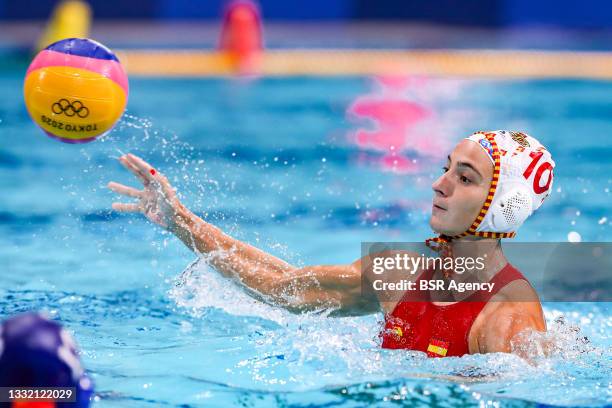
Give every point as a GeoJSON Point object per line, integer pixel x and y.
{"type": "Point", "coordinates": [516, 297]}
{"type": "Point", "coordinates": [514, 308]}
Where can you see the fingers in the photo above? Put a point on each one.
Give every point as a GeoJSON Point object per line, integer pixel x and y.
{"type": "Point", "coordinates": [143, 167]}
{"type": "Point", "coordinates": [124, 207]}
{"type": "Point", "coordinates": [150, 173]}
{"type": "Point", "coordinates": [146, 173]}
{"type": "Point", "coordinates": [128, 164]}
{"type": "Point", "coordinates": [125, 190]}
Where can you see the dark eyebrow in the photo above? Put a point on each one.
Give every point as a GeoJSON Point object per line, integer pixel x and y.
{"type": "Point", "coordinates": [466, 164]}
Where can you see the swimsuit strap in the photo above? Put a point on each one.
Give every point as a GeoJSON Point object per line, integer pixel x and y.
{"type": "Point", "coordinates": [505, 276]}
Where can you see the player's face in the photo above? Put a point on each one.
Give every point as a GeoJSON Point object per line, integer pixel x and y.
{"type": "Point", "coordinates": [461, 190]}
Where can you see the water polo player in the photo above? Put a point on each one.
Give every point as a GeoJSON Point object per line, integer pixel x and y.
{"type": "Point", "coordinates": [492, 183]}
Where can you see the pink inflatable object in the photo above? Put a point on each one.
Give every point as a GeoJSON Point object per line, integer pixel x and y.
{"type": "Point", "coordinates": [241, 35]}
{"type": "Point", "coordinates": [400, 124]}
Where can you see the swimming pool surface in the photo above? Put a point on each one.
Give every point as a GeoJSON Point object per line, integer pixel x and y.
{"type": "Point", "coordinates": [269, 161]}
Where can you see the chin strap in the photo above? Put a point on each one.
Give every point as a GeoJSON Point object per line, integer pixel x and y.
{"type": "Point", "coordinates": [441, 245]}
{"type": "Point", "coordinates": [438, 242]}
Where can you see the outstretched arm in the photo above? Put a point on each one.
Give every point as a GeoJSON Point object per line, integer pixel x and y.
{"type": "Point", "coordinates": [297, 289]}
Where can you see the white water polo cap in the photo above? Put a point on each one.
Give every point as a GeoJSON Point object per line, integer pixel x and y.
{"type": "Point", "coordinates": [522, 179]}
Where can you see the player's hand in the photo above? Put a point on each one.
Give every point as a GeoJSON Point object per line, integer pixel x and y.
{"type": "Point", "coordinates": [157, 200]}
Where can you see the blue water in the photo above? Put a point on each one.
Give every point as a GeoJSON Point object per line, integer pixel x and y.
{"type": "Point", "coordinates": [269, 162]}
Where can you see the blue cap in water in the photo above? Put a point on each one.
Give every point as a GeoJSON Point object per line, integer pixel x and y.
{"type": "Point", "coordinates": [37, 352]}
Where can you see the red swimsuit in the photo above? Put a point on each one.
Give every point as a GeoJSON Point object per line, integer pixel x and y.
{"type": "Point", "coordinates": [418, 324]}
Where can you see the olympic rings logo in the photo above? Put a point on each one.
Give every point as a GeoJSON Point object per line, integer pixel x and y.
{"type": "Point", "coordinates": [70, 109]}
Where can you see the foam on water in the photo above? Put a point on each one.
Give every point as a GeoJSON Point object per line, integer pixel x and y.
{"type": "Point", "coordinates": [199, 287]}
{"type": "Point", "coordinates": [314, 351]}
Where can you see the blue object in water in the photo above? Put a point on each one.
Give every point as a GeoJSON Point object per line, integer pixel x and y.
{"type": "Point", "coordinates": [37, 352]}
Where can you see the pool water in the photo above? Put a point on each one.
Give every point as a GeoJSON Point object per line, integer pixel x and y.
{"type": "Point", "coordinates": [272, 162]}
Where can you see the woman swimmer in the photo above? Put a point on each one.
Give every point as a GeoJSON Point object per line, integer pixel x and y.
{"type": "Point", "coordinates": [492, 182]}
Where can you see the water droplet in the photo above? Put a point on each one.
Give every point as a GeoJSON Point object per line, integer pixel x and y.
{"type": "Point", "coordinates": [573, 236]}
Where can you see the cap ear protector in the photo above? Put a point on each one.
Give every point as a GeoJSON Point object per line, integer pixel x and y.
{"type": "Point", "coordinates": [511, 209]}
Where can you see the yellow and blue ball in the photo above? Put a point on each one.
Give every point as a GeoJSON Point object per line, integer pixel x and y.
{"type": "Point", "coordinates": [76, 90]}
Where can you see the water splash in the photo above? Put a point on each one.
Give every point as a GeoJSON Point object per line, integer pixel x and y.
{"type": "Point", "coordinates": [200, 287]}
{"type": "Point", "coordinates": [306, 352]}
{"type": "Point", "coordinates": [562, 340]}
